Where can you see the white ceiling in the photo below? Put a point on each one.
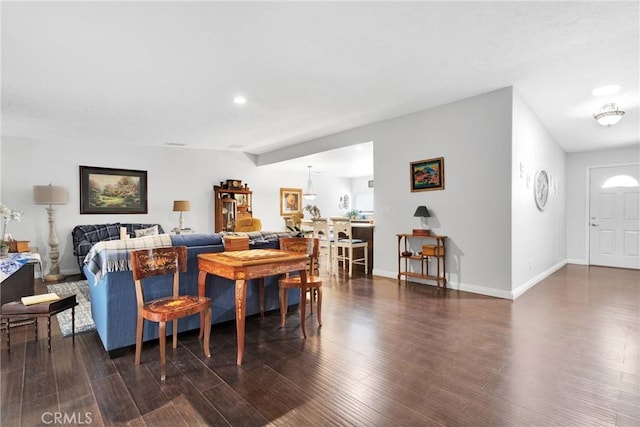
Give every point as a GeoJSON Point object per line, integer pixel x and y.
{"type": "Point", "coordinates": [152, 73]}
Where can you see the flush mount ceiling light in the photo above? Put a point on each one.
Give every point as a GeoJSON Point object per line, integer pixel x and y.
{"type": "Point", "coordinates": [240, 100]}
{"type": "Point", "coordinates": [608, 115]}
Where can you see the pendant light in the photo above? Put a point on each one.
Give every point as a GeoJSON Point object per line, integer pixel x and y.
{"type": "Point", "coordinates": [309, 192]}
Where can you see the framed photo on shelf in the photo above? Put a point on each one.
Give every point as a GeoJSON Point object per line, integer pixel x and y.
{"type": "Point", "coordinates": [112, 191]}
{"type": "Point", "coordinates": [241, 200]}
{"type": "Point", "coordinates": [290, 201]}
{"type": "Point", "coordinates": [427, 174]}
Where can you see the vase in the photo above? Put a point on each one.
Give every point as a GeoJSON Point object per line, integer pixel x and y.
{"type": "Point", "coordinates": [4, 251]}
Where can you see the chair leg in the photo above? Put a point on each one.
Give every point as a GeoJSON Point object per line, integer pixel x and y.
{"type": "Point", "coordinates": [366, 260]}
{"type": "Point", "coordinates": [162, 336]}
{"type": "Point", "coordinates": [261, 290]}
{"type": "Point", "coordinates": [139, 339]}
{"type": "Point", "coordinates": [319, 290]}
{"type": "Point", "coordinates": [175, 333]}
{"type": "Point", "coordinates": [303, 309]}
{"type": "Point", "coordinates": [334, 260]}
{"type": "Point", "coordinates": [350, 262]}
{"type": "Point", "coordinates": [49, 333]}
{"type": "Point", "coordinates": [73, 324]}
{"type": "Point", "coordinates": [207, 332]}
{"type": "Point", "coordinates": [283, 305]}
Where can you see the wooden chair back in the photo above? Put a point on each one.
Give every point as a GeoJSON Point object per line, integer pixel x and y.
{"type": "Point", "coordinates": [307, 245]}
{"type": "Point", "coordinates": [153, 262]}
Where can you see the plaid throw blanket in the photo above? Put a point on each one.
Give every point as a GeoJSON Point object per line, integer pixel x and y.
{"type": "Point", "coordinates": [113, 255]}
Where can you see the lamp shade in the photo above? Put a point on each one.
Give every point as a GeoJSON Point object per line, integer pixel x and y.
{"type": "Point", "coordinates": [422, 211]}
{"type": "Point", "coordinates": [50, 195]}
{"type": "Point", "coordinates": [181, 206]}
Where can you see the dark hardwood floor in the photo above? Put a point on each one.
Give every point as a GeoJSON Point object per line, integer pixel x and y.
{"type": "Point", "coordinates": [566, 353]}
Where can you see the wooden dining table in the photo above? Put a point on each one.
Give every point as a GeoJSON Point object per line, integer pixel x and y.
{"type": "Point", "coordinates": [241, 266]}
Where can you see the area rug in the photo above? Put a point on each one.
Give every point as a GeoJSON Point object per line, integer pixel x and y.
{"type": "Point", "coordinates": [84, 321]}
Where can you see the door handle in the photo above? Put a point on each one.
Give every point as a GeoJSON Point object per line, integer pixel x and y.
{"type": "Point", "coordinates": [595, 225]}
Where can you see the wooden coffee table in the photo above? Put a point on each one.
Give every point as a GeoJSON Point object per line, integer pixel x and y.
{"type": "Point", "coordinates": [242, 266]}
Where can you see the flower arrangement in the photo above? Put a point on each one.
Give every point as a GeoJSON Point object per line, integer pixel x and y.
{"type": "Point", "coordinates": [313, 210]}
{"type": "Point", "coordinates": [8, 215]}
{"type": "Point", "coordinates": [296, 220]}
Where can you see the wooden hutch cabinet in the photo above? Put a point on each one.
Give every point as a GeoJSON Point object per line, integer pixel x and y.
{"type": "Point", "coordinates": [232, 201]}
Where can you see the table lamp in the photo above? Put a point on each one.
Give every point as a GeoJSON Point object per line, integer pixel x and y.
{"type": "Point", "coordinates": [181, 206]}
{"type": "Point", "coordinates": [422, 212]}
{"type": "Point", "coordinates": [51, 195]}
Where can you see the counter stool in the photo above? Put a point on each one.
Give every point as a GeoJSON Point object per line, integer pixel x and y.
{"type": "Point", "coordinates": [17, 311]}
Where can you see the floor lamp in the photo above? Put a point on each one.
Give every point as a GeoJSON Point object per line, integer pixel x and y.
{"type": "Point", "coordinates": [51, 195]}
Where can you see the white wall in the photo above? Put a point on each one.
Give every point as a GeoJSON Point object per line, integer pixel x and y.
{"type": "Point", "coordinates": [474, 210]}
{"type": "Point", "coordinates": [474, 137]}
{"type": "Point", "coordinates": [362, 195]}
{"type": "Point", "coordinates": [578, 165]}
{"type": "Point", "coordinates": [173, 173]}
{"type": "Point", "coordinates": [538, 237]}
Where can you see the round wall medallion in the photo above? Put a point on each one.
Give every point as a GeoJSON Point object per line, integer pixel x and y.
{"type": "Point", "coordinates": [541, 189]}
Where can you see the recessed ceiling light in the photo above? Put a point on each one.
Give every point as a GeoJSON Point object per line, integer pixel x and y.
{"type": "Point", "coordinates": [240, 100]}
{"type": "Point", "coordinates": [605, 90]}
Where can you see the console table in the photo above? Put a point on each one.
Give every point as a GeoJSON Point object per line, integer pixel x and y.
{"type": "Point", "coordinates": [244, 265]}
{"type": "Point", "coordinates": [437, 251]}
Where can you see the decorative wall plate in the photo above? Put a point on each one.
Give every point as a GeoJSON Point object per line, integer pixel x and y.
{"type": "Point", "coordinates": [541, 189]}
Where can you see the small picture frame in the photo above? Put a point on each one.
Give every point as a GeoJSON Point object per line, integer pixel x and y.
{"type": "Point", "coordinates": [427, 174]}
{"type": "Point", "coordinates": [290, 201]}
{"type": "Point", "coordinates": [112, 191]}
{"type": "Point", "coordinates": [241, 200]}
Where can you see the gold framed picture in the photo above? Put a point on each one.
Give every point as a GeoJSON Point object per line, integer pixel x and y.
{"type": "Point", "coordinates": [290, 201]}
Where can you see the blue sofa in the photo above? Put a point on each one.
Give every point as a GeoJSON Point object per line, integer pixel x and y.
{"type": "Point", "coordinates": [113, 299]}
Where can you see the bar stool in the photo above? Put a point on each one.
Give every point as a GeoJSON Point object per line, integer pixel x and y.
{"type": "Point", "coordinates": [344, 244]}
{"type": "Point", "coordinates": [321, 232]}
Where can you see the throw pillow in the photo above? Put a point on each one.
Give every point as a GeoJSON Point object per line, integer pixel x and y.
{"type": "Point", "coordinates": [151, 231]}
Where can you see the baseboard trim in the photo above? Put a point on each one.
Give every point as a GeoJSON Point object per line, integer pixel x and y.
{"type": "Point", "coordinates": [483, 290]}
{"type": "Point", "coordinates": [466, 287]}
{"type": "Point", "coordinates": [536, 279]}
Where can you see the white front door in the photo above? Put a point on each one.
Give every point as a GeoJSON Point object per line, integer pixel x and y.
{"type": "Point", "coordinates": [614, 216]}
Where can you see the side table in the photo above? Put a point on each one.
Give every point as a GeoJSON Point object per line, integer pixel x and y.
{"type": "Point", "coordinates": [17, 311]}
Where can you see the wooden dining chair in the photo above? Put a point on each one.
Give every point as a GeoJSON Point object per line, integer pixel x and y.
{"type": "Point", "coordinates": [146, 263]}
{"type": "Point", "coordinates": [312, 285]}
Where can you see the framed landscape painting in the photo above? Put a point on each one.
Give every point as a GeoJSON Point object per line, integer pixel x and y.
{"type": "Point", "coordinates": [112, 191]}
{"type": "Point", "coordinates": [290, 201]}
{"type": "Point", "coordinates": [427, 174]}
